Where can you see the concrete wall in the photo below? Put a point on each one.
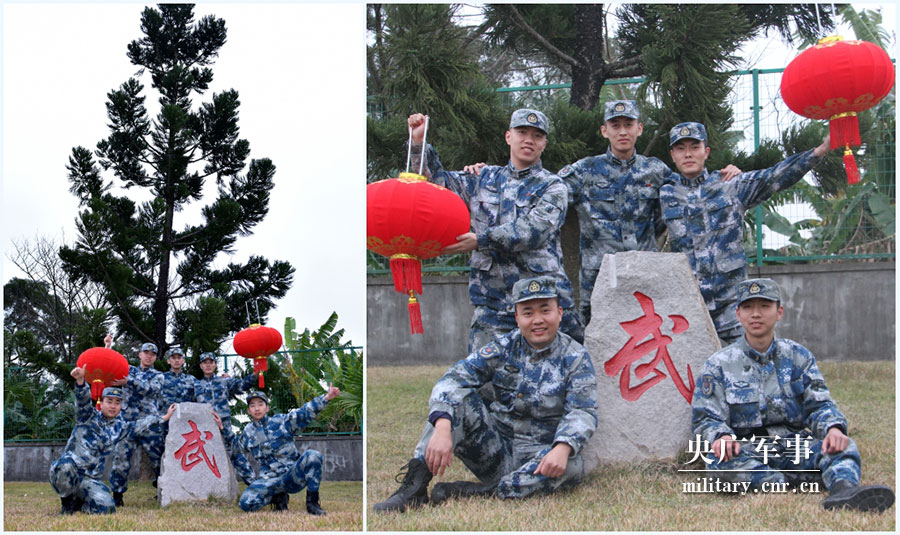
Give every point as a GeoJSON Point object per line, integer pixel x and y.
{"type": "Point", "coordinates": [839, 311]}
{"type": "Point", "coordinates": [31, 462]}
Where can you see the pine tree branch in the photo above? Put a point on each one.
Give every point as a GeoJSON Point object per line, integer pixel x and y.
{"type": "Point", "coordinates": [625, 67]}
{"type": "Point", "coordinates": [519, 21]}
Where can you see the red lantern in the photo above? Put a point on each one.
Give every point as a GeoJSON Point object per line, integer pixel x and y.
{"type": "Point", "coordinates": [257, 342]}
{"type": "Point", "coordinates": [835, 80]}
{"type": "Point", "coordinates": [408, 220]}
{"type": "Point", "coordinates": [102, 366]}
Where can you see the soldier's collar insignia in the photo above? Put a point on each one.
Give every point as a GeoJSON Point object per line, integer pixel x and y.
{"type": "Point", "coordinates": [534, 287]}
{"type": "Point", "coordinates": [532, 118]}
{"type": "Point", "coordinates": [620, 107]}
{"type": "Point", "coordinates": [685, 131]}
{"type": "Point", "coordinates": [754, 288]}
{"type": "Point", "coordinates": [490, 350]}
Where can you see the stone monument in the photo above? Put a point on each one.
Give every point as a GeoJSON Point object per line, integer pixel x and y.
{"type": "Point", "coordinates": [195, 465]}
{"type": "Point", "coordinates": [649, 336]}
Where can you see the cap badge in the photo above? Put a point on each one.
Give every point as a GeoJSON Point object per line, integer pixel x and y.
{"type": "Point", "coordinates": [532, 118]}
{"type": "Point", "coordinates": [620, 107]}
{"type": "Point", "coordinates": [534, 287]}
{"type": "Point", "coordinates": [685, 131]}
{"type": "Point", "coordinates": [754, 288]}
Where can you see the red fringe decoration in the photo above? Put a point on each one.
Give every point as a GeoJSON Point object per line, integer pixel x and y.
{"type": "Point", "coordinates": [407, 272]}
{"type": "Point", "coordinates": [415, 315]}
{"type": "Point", "coordinates": [850, 166]}
{"type": "Point", "coordinates": [97, 387]}
{"type": "Point", "coordinates": [844, 131]}
{"type": "Point", "coordinates": [262, 383]}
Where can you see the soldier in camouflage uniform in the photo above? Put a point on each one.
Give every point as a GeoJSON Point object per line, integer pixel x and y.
{"type": "Point", "coordinates": [141, 388]}
{"type": "Point", "coordinates": [216, 391]}
{"type": "Point", "coordinates": [77, 475]}
{"type": "Point", "coordinates": [517, 211]}
{"type": "Point", "coordinates": [177, 387]}
{"type": "Point", "coordinates": [529, 440]}
{"type": "Point", "coordinates": [767, 387]}
{"type": "Point", "coordinates": [282, 469]}
{"type": "Point", "coordinates": [705, 216]}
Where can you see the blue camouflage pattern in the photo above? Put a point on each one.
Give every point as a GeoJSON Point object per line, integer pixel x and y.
{"type": "Point", "coordinates": [541, 397]}
{"type": "Point", "coordinates": [216, 392]}
{"type": "Point", "coordinates": [529, 117]}
{"type": "Point", "coordinates": [620, 108]}
{"type": "Point", "coordinates": [517, 216]}
{"type": "Point", "coordinates": [80, 468]}
{"type": "Point", "coordinates": [281, 466]}
{"type": "Point", "coordinates": [617, 203]}
{"type": "Point", "coordinates": [142, 397]}
{"type": "Point", "coordinates": [782, 392]}
{"type": "Point", "coordinates": [176, 388]}
{"type": "Point", "coordinates": [687, 131]}
{"type": "Point", "coordinates": [705, 218]}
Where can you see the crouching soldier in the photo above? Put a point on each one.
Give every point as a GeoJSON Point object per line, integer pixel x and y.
{"type": "Point", "coordinates": [282, 469]}
{"type": "Point", "coordinates": [529, 440]}
{"type": "Point", "coordinates": [76, 475]}
{"type": "Point", "coordinates": [763, 386]}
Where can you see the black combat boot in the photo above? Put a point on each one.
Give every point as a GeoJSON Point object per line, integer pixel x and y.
{"type": "Point", "coordinates": [280, 501]}
{"type": "Point", "coordinates": [460, 489]}
{"type": "Point", "coordinates": [117, 498]}
{"type": "Point", "coordinates": [68, 504]}
{"type": "Point", "coordinates": [312, 503]}
{"type": "Point", "coordinates": [413, 492]}
{"type": "Point", "coordinates": [864, 498]}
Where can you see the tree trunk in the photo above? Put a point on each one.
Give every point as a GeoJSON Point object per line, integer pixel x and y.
{"type": "Point", "coordinates": [590, 73]}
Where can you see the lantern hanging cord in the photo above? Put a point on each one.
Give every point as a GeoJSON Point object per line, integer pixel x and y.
{"type": "Point", "coordinates": [256, 304]}
{"type": "Point", "coordinates": [408, 149]}
{"type": "Point", "coordinates": [424, 136]}
{"type": "Point", "coordinates": [247, 308]}
{"type": "Point", "coordinates": [818, 20]}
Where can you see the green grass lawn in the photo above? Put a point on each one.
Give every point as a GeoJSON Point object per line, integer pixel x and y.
{"type": "Point", "coordinates": [644, 496]}
{"type": "Point", "coordinates": [33, 506]}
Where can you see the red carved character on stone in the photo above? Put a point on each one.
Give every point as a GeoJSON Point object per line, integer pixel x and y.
{"type": "Point", "coordinates": [192, 451]}
{"type": "Point", "coordinates": [648, 325]}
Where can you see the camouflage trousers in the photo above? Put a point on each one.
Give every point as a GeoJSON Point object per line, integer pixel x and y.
{"type": "Point", "coordinates": [68, 480]}
{"type": "Point", "coordinates": [306, 473]}
{"type": "Point", "coordinates": [242, 466]}
{"type": "Point", "coordinates": [153, 446]}
{"type": "Point", "coordinates": [728, 328]}
{"type": "Point", "coordinates": [487, 323]}
{"type": "Point", "coordinates": [496, 458]}
{"type": "Point", "coordinates": [829, 468]}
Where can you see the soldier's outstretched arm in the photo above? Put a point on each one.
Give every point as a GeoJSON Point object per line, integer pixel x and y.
{"type": "Point", "coordinates": [530, 231]}
{"type": "Point", "coordinates": [297, 419]}
{"type": "Point", "coordinates": [84, 407]}
{"type": "Point", "coordinates": [460, 183]}
{"type": "Point", "coordinates": [754, 187]}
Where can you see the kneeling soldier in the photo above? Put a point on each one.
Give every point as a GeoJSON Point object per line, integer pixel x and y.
{"type": "Point", "coordinates": [529, 440]}
{"type": "Point", "coordinates": [76, 475]}
{"type": "Point", "coordinates": [282, 469]}
{"type": "Point", "coordinates": [767, 386]}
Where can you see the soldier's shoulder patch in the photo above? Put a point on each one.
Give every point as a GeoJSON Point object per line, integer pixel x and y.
{"type": "Point", "coordinates": [566, 171]}
{"type": "Point", "coordinates": [489, 351]}
{"type": "Point", "coordinates": [706, 384]}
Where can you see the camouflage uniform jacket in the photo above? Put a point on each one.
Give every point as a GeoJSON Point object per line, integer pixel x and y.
{"type": "Point", "coordinates": [744, 392]}
{"type": "Point", "coordinates": [617, 204]}
{"type": "Point", "coordinates": [95, 436]}
{"type": "Point", "coordinates": [271, 440]}
{"type": "Point", "coordinates": [541, 396]}
{"type": "Point", "coordinates": [218, 390]}
{"type": "Point", "coordinates": [141, 393]}
{"type": "Point", "coordinates": [705, 217]}
{"type": "Point", "coordinates": [517, 216]}
{"type": "Point", "coordinates": [176, 388]}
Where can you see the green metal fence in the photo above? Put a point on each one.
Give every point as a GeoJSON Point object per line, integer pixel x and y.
{"type": "Point", "coordinates": [760, 114]}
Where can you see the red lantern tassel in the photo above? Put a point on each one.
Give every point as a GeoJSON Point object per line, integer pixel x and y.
{"type": "Point", "coordinates": [407, 272]}
{"type": "Point", "coordinates": [97, 386]}
{"type": "Point", "coordinates": [850, 166]}
{"type": "Point", "coordinates": [844, 130]}
{"type": "Point", "coordinates": [262, 383]}
{"type": "Point", "coordinates": [415, 315]}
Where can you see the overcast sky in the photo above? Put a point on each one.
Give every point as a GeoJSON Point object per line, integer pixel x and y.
{"type": "Point", "coordinates": [300, 73]}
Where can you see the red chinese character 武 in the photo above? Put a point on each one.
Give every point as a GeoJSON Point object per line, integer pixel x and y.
{"type": "Point", "coordinates": [639, 329]}
{"type": "Point", "coordinates": [192, 451]}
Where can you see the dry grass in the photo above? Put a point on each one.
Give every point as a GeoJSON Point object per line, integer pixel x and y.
{"type": "Point", "coordinates": [31, 506]}
{"type": "Point", "coordinates": [643, 497]}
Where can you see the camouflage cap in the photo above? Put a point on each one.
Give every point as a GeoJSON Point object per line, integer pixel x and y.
{"type": "Point", "coordinates": [112, 392]}
{"type": "Point", "coordinates": [149, 346]}
{"type": "Point", "coordinates": [758, 289]}
{"type": "Point", "coordinates": [529, 117]}
{"type": "Point", "coordinates": [174, 351]}
{"type": "Point", "coordinates": [687, 131]}
{"type": "Point", "coordinates": [207, 356]}
{"type": "Point", "coordinates": [536, 288]}
{"type": "Point", "coordinates": [257, 394]}
{"type": "Point", "coordinates": [621, 108]}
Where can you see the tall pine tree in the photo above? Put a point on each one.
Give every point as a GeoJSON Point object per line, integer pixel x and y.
{"type": "Point", "coordinates": [160, 276]}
